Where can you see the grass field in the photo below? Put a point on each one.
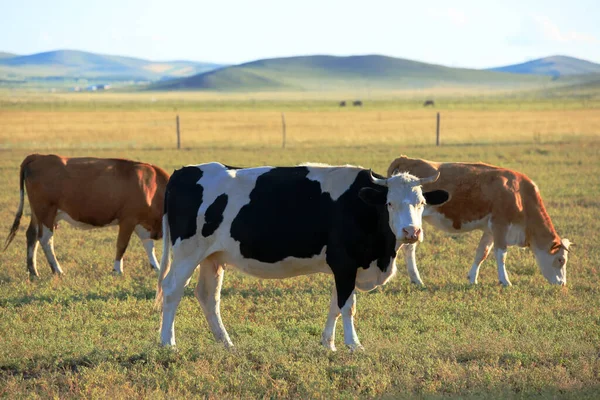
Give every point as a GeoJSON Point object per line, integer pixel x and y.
{"type": "Point", "coordinates": [95, 335]}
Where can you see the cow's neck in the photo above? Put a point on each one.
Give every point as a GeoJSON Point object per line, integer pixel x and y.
{"type": "Point", "coordinates": [541, 234]}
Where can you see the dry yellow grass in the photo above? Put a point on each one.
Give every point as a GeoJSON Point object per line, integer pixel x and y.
{"type": "Point", "coordinates": [344, 127]}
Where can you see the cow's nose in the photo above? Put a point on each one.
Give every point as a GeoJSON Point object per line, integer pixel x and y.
{"type": "Point", "coordinates": [411, 232]}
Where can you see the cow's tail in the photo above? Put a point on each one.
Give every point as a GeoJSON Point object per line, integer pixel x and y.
{"type": "Point", "coordinates": [17, 221]}
{"type": "Point", "coordinates": [165, 261]}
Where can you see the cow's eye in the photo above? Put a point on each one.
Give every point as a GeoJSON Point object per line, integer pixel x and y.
{"type": "Point", "coordinates": [388, 204]}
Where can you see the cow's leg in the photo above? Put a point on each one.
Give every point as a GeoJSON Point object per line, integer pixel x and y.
{"type": "Point", "coordinates": [348, 312]}
{"type": "Point", "coordinates": [328, 337]}
{"type": "Point", "coordinates": [148, 244]}
{"type": "Point", "coordinates": [125, 230]}
{"type": "Point", "coordinates": [172, 287]}
{"type": "Point", "coordinates": [47, 242]}
{"type": "Point", "coordinates": [501, 261]}
{"type": "Point", "coordinates": [208, 293]}
{"type": "Point", "coordinates": [500, 249]}
{"type": "Point", "coordinates": [345, 281]}
{"type": "Point", "coordinates": [32, 245]}
{"type": "Point", "coordinates": [411, 263]}
{"type": "Point", "coordinates": [485, 245]}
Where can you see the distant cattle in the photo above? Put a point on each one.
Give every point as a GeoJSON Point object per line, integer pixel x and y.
{"type": "Point", "coordinates": [506, 205]}
{"type": "Point", "coordinates": [342, 104]}
{"type": "Point", "coordinates": [90, 193]}
{"type": "Point", "coordinates": [429, 103]}
{"type": "Point", "coordinates": [280, 222]}
{"type": "Point", "coordinates": [357, 103]}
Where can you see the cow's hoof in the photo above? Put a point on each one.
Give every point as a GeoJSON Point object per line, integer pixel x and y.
{"type": "Point", "coordinates": [505, 284]}
{"type": "Point", "coordinates": [169, 348]}
{"type": "Point", "coordinates": [355, 347]}
{"type": "Point", "coordinates": [328, 344]}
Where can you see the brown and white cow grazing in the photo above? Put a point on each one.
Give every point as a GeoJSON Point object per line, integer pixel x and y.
{"type": "Point", "coordinates": [90, 193]}
{"type": "Point", "coordinates": [506, 205]}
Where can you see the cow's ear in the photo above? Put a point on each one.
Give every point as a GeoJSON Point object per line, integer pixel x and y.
{"type": "Point", "coordinates": [436, 197]}
{"type": "Point", "coordinates": [372, 196]}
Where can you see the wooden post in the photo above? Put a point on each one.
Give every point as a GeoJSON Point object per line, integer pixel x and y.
{"type": "Point", "coordinates": [178, 135]}
{"type": "Point", "coordinates": [283, 130]}
{"type": "Point", "coordinates": [437, 130]}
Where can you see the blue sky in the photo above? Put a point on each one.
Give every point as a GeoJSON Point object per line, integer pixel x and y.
{"type": "Point", "coordinates": [462, 33]}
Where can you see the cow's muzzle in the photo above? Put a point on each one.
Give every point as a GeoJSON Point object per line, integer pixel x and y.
{"type": "Point", "coordinates": [411, 234]}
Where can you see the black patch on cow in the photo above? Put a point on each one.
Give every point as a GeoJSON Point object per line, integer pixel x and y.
{"type": "Point", "coordinates": [183, 197]}
{"type": "Point", "coordinates": [214, 215]}
{"type": "Point", "coordinates": [287, 216]}
{"type": "Point", "coordinates": [373, 196]}
{"type": "Point", "coordinates": [436, 197]}
{"type": "Point", "coordinates": [364, 234]}
{"type": "Point", "coordinates": [365, 227]}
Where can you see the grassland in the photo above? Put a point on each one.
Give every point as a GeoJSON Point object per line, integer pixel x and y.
{"type": "Point", "coordinates": [95, 335]}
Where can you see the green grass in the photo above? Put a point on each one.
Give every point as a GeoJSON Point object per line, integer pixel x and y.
{"type": "Point", "coordinates": [92, 334]}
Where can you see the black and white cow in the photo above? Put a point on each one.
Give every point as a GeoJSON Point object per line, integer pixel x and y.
{"type": "Point", "coordinates": [279, 222]}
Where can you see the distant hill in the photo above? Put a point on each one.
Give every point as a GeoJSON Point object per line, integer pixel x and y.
{"type": "Point", "coordinates": [4, 54]}
{"type": "Point", "coordinates": [72, 64]}
{"type": "Point", "coordinates": [553, 66]}
{"type": "Point", "coordinates": [331, 73]}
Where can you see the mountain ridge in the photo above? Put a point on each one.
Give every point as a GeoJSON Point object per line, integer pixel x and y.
{"type": "Point", "coordinates": [325, 72]}
{"type": "Point", "coordinates": [555, 66]}
{"type": "Point", "coordinates": [81, 64]}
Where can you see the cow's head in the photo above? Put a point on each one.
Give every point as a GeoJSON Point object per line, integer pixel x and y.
{"type": "Point", "coordinates": [405, 202]}
{"type": "Point", "coordinates": [553, 261]}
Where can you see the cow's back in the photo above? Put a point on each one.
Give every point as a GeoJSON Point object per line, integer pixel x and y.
{"type": "Point", "coordinates": [96, 191]}
{"type": "Point", "coordinates": [476, 189]}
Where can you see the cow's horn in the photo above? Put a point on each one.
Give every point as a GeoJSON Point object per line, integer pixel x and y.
{"type": "Point", "coordinates": [430, 179]}
{"type": "Point", "coordinates": [567, 245]}
{"type": "Point", "coordinates": [377, 181]}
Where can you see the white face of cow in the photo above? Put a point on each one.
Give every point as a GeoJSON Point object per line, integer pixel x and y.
{"type": "Point", "coordinates": [553, 263]}
{"type": "Point", "coordinates": [405, 203]}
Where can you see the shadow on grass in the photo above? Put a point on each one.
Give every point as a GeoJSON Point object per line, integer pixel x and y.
{"type": "Point", "coordinates": [139, 292]}
{"type": "Point", "coordinates": [143, 292]}
{"type": "Point", "coordinates": [36, 368]}
{"type": "Point", "coordinates": [164, 358]}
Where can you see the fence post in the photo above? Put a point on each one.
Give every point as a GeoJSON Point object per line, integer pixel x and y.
{"type": "Point", "coordinates": [178, 135]}
{"type": "Point", "coordinates": [283, 130]}
{"type": "Point", "coordinates": [437, 130]}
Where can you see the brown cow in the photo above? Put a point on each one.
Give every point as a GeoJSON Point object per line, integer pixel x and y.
{"type": "Point", "coordinates": [90, 193]}
{"type": "Point", "coordinates": [506, 205]}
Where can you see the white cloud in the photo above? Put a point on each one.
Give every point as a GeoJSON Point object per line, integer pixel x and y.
{"type": "Point", "coordinates": [454, 15]}
{"type": "Point", "coordinates": [45, 37]}
{"type": "Point", "coordinates": [552, 32]}
{"type": "Point", "coordinates": [457, 17]}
